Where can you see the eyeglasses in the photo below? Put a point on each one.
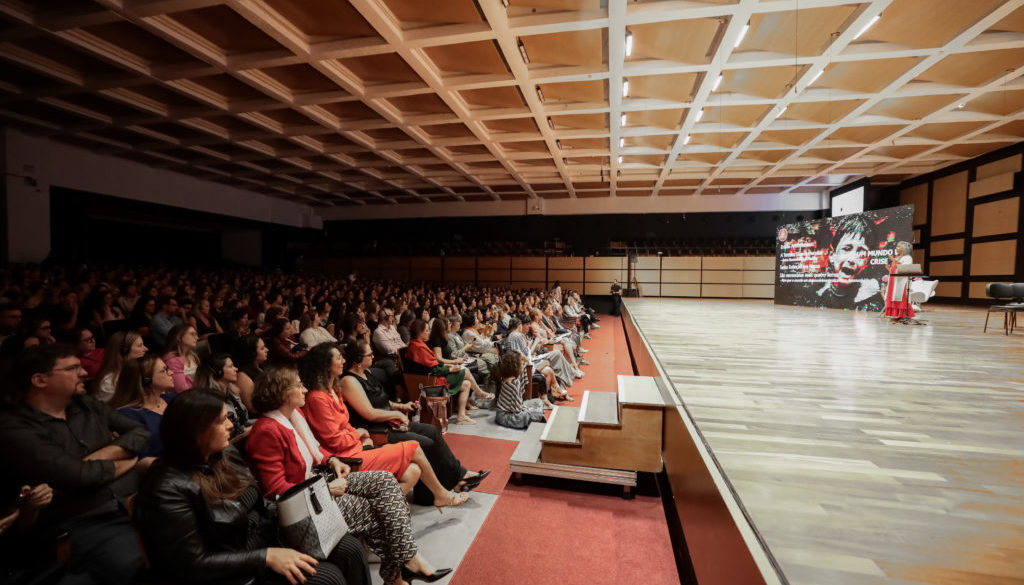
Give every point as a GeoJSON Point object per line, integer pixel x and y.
{"type": "Point", "coordinates": [74, 368]}
{"type": "Point", "coordinates": [368, 354]}
{"type": "Point", "coordinates": [165, 370]}
{"type": "Point", "coordinates": [89, 340]}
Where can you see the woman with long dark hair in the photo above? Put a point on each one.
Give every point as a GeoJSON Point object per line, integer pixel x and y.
{"type": "Point", "coordinates": [201, 516]}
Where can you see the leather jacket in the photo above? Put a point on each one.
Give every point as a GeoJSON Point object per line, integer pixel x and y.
{"type": "Point", "coordinates": [187, 538]}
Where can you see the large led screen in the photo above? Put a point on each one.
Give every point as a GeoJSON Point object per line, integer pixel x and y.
{"type": "Point", "coordinates": [839, 262]}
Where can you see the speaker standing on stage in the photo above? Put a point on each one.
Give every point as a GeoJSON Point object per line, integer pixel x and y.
{"type": "Point", "coordinates": [897, 301]}
{"type": "Point", "coordinates": [616, 298]}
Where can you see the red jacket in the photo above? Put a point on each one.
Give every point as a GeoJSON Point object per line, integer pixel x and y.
{"type": "Point", "coordinates": [275, 458]}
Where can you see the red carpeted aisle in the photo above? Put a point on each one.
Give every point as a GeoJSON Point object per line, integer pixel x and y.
{"type": "Point", "coordinates": [546, 536]}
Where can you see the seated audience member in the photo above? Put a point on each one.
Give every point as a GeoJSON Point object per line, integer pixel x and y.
{"type": "Point", "coordinates": [66, 315]}
{"type": "Point", "coordinates": [22, 560]}
{"type": "Point", "coordinates": [127, 300]}
{"type": "Point", "coordinates": [84, 341]}
{"type": "Point", "coordinates": [84, 450]}
{"type": "Point", "coordinates": [165, 319]}
{"type": "Point", "coordinates": [104, 310]}
{"type": "Point", "coordinates": [144, 390]}
{"type": "Point", "coordinates": [249, 355]}
{"type": "Point", "coordinates": [368, 404]}
{"type": "Point", "coordinates": [10, 320]}
{"type": "Point", "coordinates": [571, 340]}
{"type": "Point", "coordinates": [420, 359]}
{"type": "Point", "coordinates": [283, 450]}
{"type": "Point", "coordinates": [512, 411]}
{"type": "Point", "coordinates": [122, 346]}
{"type": "Point", "coordinates": [313, 332]}
{"type": "Point", "coordinates": [284, 350]}
{"type": "Point", "coordinates": [405, 319]}
{"type": "Point", "coordinates": [240, 324]}
{"type": "Point", "coordinates": [205, 322]}
{"type": "Point", "coordinates": [557, 372]}
{"type": "Point", "coordinates": [218, 372]}
{"type": "Point", "coordinates": [384, 369]}
{"type": "Point", "coordinates": [203, 519]}
{"type": "Point", "coordinates": [181, 357]}
{"type": "Point", "coordinates": [480, 346]}
{"type": "Point", "coordinates": [142, 315]}
{"type": "Point", "coordinates": [437, 341]}
{"type": "Point", "coordinates": [38, 331]}
{"type": "Point", "coordinates": [387, 342]}
{"type": "Point", "coordinates": [571, 310]}
{"type": "Point", "coordinates": [328, 415]}
{"type": "Point", "coordinates": [457, 347]}
{"type": "Point", "coordinates": [539, 331]}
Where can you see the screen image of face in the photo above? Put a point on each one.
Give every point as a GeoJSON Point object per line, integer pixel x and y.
{"type": "Point", "coordinates": [839, 262]}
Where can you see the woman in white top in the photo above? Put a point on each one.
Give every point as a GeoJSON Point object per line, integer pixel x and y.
{"type": "Point", "coordinates": [123, 345]}
{"type": "Point", "coordinates": [313, 332]}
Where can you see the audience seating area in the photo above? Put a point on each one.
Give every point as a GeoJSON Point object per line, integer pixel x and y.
{"type": "Point", "coordinates": [97, 313]}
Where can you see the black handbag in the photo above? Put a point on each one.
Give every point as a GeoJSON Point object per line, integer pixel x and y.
{"type": "Point", "coordinates": [434, 391]}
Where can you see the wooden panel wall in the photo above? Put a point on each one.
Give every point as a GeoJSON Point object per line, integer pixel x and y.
{"type": "Point", "coordinates": [670, 276]}
{"type": "Point", "coordinates": [967, 223]}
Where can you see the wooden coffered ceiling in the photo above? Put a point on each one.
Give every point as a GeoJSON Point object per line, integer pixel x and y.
{"type": "Point", "coordinates": [341, 103]}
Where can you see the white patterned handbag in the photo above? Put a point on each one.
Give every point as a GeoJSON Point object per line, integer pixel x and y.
{"type": "Point", "coordinates": [310, 519]}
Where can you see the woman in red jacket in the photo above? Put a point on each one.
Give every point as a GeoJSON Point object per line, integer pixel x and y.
{"type": "Point", "coordinates": [283, 451]}
{"type": "Point", "coordinates": [328, 416]}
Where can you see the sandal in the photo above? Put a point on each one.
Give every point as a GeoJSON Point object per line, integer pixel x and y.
{"type": "Point", "coordinates": [452, 500]}
{"type": "Point", "coordinates": [473, 482]}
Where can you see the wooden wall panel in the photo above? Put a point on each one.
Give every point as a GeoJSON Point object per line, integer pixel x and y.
{"type": "Point", "coordinates": [1010, 164]}
{"type": "Point", "coordinates": [721, 290]}
{"type": "Point", "coordinates": [394, 262]}
{"type": "Point", "coordinates": [949, 289]}
{"type": "Point", "coordinates": [946, 268]}
{"type": "Point", "coordinates": [567, 285]}
{"type": "Point", "coordinates": [494, 274]}
{"type": "Point", "coordinates": [617, 262]}
{"type": "Point", "coordinates": [997, 217]}
{"type": "Point", "coordinates": [429, 274]}
{"type": "Point", "coordinates": [949, 197]}
{"type": "Point", "coordinates": [759, 263]}
{"type": "Point", "coordinates": [994, 258]}
{"type": "Point", "coordinates": [680, 290]}
{"type": "Point", "coordinates": [494, 262]}
{"type": "Point", "coordinates": [648, 275]}
{"type": "Point", "coordinates": [917, 237]}
{"type": "Point", "coordinates": [529, 262]}
{"type": "Point", "coordinates": [460, 262]}
{"type": "Point", "coordinates": [759, 291]}
{"type": "Point", "coordinates": [722, 263]}
{"type": "Point", "coordinates": [599, 275]}
{"type": "Point", "coordinates": [421, 261]}
{"type": "Point", "coordinates": [946, 247]}
{"type": "Point", "coordinates": [721, 276]}
{"type": "Point", "coordinates": [394, 273]}
{"type": "Point", "coordinates": [990, 185]}
{"type": "Point", "coordinates": [529, 274]}
{"type": "Point", "coordinates": [680, 263]}
{"type": "Point", "coordinates": [570, 274]}
{"type": "Point", "coordinates": [758, 277]}
{"type": "Point", "coordinates": [680, 276]}
{"type": "Point", "coordinates": [527, 284]}
{"type": "Point", "coordinates": [597, 288]}
{"type": "Point", "coordinates": [650, 289]}
{"type": "Point", "coordinates": [918, 256]}
{"type": "Point", "coordinates": [648, 262]}
{"type": "Point", "coordinates": [976, 290]}
{"type": "Point", "coordinates": [565, 262]}
{"type": "Point", "coordinates": [459, 275]}
{"type": "Point", "coordinates": [918, 197]}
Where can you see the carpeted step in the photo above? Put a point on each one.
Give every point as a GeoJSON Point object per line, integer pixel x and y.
{"type": "Point", "coordinates": [599, 409]}
{"type": "Point", "coordinates": [640, 391]}
{"type": "Point", "coordinates": [562, 427]}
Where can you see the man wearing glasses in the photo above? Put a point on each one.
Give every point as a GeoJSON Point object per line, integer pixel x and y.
{"type": "Point", "coordinates": [84, 450]}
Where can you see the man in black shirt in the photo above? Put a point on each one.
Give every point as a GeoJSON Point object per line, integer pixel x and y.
{"type": "Point", "coordinates": [84, 450]}
{"type": "Point", "coordinates": [616, 298]}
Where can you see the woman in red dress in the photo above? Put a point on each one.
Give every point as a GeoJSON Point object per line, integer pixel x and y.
{"type": "Point", "coordinates": [897, 296]}
{"type": "Point", "coordinates": [328, 417]}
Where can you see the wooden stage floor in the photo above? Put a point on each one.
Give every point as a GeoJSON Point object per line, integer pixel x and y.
{"type": "Point", "coordinates": [860, 452]}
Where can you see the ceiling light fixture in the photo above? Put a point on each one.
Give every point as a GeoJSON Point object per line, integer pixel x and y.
{"type": "Point", "coordinates": [629, 43]}
{"type": "Point", "coordinates": [718, 82]}
{"type": "Point", "coordinates": [961, 106]}
{"type": "Point", "coordinates": [867, 26]}
{"type": "Point", "coordinates": [558, 144]}
{"type": "Point", "coordinates": [784, 108]}
{"type": "Point", "coordinates": [700, 114]}
{"type": "Point", "coordinates": [522, 51]}
{"type": "Point", "coordinates": [816, 76]}
{"type": "Point", "coordinates": [622, 142]}
{"type": "Point", "coordinates": [540, 94]}
{"type": "Point", "coordinates": [622, 120]}
{"type": "Point", "coordinates": [620, 159]}
{"type": "Point", "coordinates": [743, 33]}
{"type": "Point", "coordinates": [625, 88]}
{"type": "Point", "coordinates": [551, 123]}
{"type": "Point", "coordinates": [686, 140]}
{"type": "Point", "coordinates": [505, 4]}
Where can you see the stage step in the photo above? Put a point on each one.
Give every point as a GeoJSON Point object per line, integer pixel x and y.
{"type": "Point", "coordinates": [562, 428]}
{"type": "Point", "coordinates": [599, 408]}
{"type": "Point", "coordinates": [643, 391]}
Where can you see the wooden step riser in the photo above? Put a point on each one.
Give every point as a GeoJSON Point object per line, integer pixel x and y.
{"type": "Point", "coordinates": [636, 445]}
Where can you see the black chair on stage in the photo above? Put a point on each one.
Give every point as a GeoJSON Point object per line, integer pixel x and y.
{"type": "Point", "coordinates": [1002, 292]}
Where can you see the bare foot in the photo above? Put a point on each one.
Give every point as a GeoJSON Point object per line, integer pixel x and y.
{"type": "Point", "coordinates": [467, 420]}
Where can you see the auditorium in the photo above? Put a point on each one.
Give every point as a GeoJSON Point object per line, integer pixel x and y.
{"type": "Point", "coordinates": [371, 292]}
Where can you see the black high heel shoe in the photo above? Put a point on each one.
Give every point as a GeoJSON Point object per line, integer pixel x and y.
{"type": "Point", "coordinates": [474, 482]}
{"type": "Point", "coordinates": [409, 575]}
